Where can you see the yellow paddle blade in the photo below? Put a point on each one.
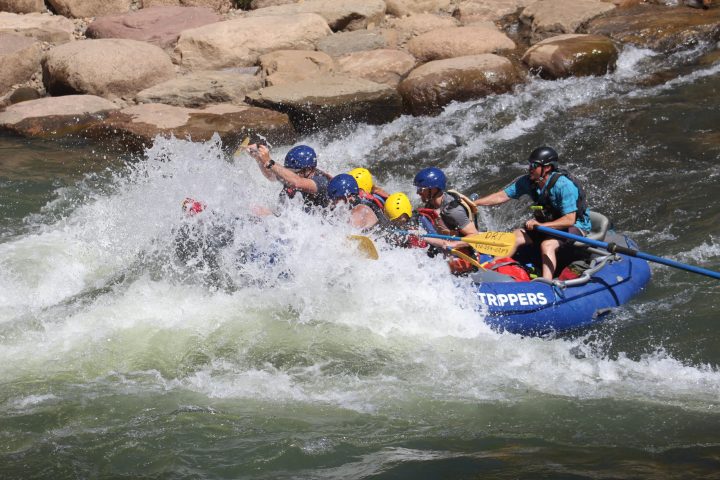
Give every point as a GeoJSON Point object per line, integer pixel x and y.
{"type": "Point", "coordinates": [497, 244]}
{"type": "Point", "coordinates": [366, 246]}
{"type": "Point", "coordinates": [242, 147]}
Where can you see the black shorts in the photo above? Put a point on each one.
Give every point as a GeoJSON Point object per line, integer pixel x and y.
{"type": "Point", "coordinates": [538, 237]}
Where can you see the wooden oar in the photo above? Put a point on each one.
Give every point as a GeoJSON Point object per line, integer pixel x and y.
{"type": "Point", "coordinates": [614, 248]}
{"type": "Point", "coordinates": [243, 146]}
{"type": "Point", "coordinates": [366, 246]}
{"type": "Point", "coordinates": [497, 244]}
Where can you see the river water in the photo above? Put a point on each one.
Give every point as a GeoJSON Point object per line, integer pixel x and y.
{"type": "Point", "coordinates": [118, 360]}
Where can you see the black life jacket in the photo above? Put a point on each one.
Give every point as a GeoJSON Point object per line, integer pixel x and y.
{"type": "Point", "coordinates": [548, 212]}
{"type": "Point", "coordinates": [375, 205]}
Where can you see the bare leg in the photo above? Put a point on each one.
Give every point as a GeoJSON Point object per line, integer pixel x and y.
{"type": "Point", "coordinates": [521, 238]}
{"type": "Point", "coordinates": [548, 248]}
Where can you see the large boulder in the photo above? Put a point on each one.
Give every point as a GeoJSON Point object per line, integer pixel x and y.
{"type": "Point", "coordinates": [220, 6]}
{"type": "Point", "coordinates": [339, 14]}
{"type": "Point", "coordinates": [19, 57]}
{"type": "Point", "coordinates": [572, 55]}
{"type": "Point", "coordinates": [487, 10]}
{"type": "Point", "coordinates": [401, 8]}
{"type": "Point", "coordinates": [548, 18]}
{"type": "Point", "coordinates": [659, 28]}
{"type": "Point", "coordinates": [89, 8]}
{"type": "Point", "coordinates": [160, 26]}
{"type": "Point", "coordinates": [380, 66]}
{"type": "Point", "coordinates": [356, 41]}
{"type": "Point", "coordinates": [290, 66]}
{"type": "Point", "coordinates": [241, 41]}
{"type": "Point", "coordinates": [22, 6]}
{"type": "Point", "coordinates": [202, 88]}
{"type": "Point", "coordinates": [46, 28]}
{"type": "Point", "coordinates": [431, 86]}
{"type": "Point", "coordinates": [54, 116]}
{"type": "Point", "coordinates": [136, 127]}
{"type": "Point", "coordinates": [106, 68]}
{"type": "Point", "coordinates": [255, 4]}
{"type": "Point", "coordinates": [328, 101]}
{"type": "Point", "coordinates": [414, 25]}
{"type": "Point", "coordinates": [459, 42]}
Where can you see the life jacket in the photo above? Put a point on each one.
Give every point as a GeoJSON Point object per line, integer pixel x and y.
{"type": "Point", "coordinates": [376, 199]}
{"type": "Point", "coordinates": [509, 266]}
{"type": "Point", "coordinates": [319, 199]}
{"type": "Point", "coordinates": [547, 212]}
{"type": "Point", "coordinates": [428, 218]}
{"type": "Point", "coordinates": [458, 200]}
{"type": "Point", "coordinates": [375, 205]}
{"type": "Point", "coordinates": [468, 204]}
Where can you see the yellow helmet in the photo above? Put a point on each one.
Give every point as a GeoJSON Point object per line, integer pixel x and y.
{"type": "Point", "coordinates": [397, 204]}
{"type": "Point", "coordinates": [363, 177]}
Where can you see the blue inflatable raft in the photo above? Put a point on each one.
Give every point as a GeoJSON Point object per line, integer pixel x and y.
{"type": "Point", "coordinates": [541, 307]}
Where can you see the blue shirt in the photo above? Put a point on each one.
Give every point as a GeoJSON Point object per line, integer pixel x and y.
{"type": "Point", "coordinates": [563, 196]}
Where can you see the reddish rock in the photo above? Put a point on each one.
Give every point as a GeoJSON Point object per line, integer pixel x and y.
{"type": "Point", "coordinates": [136, 127]}
{"type": "Point", "coordinates": [660, 28]}
{"type": "Point", "coordinates": [572, 56]}
{"type": "Point", "coordinates": [160, 26]}
{"type": "Point", "coordinates": [54, 116]}
{"type": "Point", "coordinates": [430, 87]}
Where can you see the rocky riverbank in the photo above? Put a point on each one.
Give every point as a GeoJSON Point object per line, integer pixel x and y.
{"type": "Point", "coordinates": [128, 70]}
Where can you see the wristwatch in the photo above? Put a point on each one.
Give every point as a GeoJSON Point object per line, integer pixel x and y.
{"type": "Point", "coordinates": [270, 164]}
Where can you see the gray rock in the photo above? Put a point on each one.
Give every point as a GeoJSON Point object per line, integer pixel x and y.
{"type": "Point", "coordinates": [328, 101]}
{"type": "Point", "coordinates": [41, 26]}
{"type": "Point", "coordinates": [239, 42]}
{"type": "Point", "coordinates": [19, 57]}
{"type": "Point", "coordinates": [347, 42]}
{"type": "Point", "coordinates": [202, 88]}
{"type": "Point", "coordinates": [22, 6]}
{"type": "Point", "coordinates": [89, 8]}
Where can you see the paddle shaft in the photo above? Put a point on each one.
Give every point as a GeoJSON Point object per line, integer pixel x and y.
{"type": "Point", "coordinates": [458, 239]}
{"type": "Point", "coordinates": [615, 248]}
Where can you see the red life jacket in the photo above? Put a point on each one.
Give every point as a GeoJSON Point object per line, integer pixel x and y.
{"type": "Point", "coordinates": [508, 266]}
{"type": "Point", "coordinates": [371, 198]}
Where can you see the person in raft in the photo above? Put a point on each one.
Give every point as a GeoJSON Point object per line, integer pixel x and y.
{"type": "Point", "coordinates": [399, 212]}
{"type": "Point", "coordinates": [365, 214]}
{"type": "Point", "coordinates": [560, 203]}
{"type": "Point", "coordinates": [446, 212]}
{"type": "Point", "coordinates": [299, 173]}
{"type": "Point", "coordinates": [368, 189]}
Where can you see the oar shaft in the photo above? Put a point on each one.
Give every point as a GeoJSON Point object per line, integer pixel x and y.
{"type": "Point", "coordinates": [462, 239]}
{"type": "Point", "coordinates": [615, 248]}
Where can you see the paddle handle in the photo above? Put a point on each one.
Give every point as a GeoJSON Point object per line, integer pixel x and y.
{"type": "Point", "coordinates": [615, 248]}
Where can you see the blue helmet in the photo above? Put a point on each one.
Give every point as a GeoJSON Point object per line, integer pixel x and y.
{"type": "Point", "coordinates": [341, 186]}
{"type": "Point", "coordinates": [301, 156]}
{"type": "Point", "coordinates": [431, 177]}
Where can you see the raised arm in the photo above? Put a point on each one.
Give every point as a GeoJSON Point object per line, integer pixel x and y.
{"type": "Point", "coordinates": [493, 199]}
